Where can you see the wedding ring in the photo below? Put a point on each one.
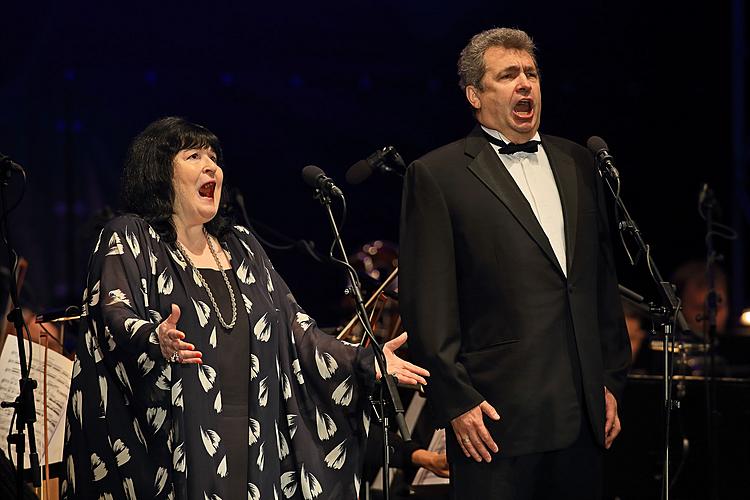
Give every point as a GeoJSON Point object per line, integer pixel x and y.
{"type": "Point", "coordinates": [175, 357]}
{"type": "Point", "coordinates": [466, 440]}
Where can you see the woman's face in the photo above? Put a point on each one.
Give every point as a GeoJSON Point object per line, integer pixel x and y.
{"type": "Point", "coordinates": [197, 185]}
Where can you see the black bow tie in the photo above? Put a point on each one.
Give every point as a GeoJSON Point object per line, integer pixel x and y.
{"type": "Point", "coordinates": [509, 149]}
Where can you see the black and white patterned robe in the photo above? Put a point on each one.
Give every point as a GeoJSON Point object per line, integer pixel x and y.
{"type": "Point", "coordinates": [126, 432]}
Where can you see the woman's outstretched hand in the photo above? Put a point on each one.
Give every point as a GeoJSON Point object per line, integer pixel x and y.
{"type": "Point", "coordinates": [173, 348]}
{"type": "Point", "coordinates": [405, 372]}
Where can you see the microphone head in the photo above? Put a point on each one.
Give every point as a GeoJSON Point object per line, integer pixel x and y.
{"type": "Point", "coordinates": [596, 144]}
{"type": "Point", "coordinates": [359, 172]}
{"type": "Point", "coordinates": [310, 175]}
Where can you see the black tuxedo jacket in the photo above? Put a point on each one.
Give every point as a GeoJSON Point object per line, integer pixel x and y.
{"type": "Point", "coordinates": [487, 306]}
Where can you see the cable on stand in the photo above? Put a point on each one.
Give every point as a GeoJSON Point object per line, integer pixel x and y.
{"type": "Point", "coordinates": [24, 408]}
{"type": "Point", "coordinates": [389, 402]}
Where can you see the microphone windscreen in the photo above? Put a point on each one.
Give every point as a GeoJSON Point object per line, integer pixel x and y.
{"type": "Point", "coordinates": [310, 175]}
{"type": "Point", "coordinates": [358, 172]}
{"type": "Point", "coordinates": [596, 144]}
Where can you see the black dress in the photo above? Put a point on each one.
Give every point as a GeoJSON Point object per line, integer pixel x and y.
{"type": "Point", "coordinates": [140, 427]}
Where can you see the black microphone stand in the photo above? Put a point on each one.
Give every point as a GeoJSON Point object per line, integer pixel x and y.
{"type": "Point", "coordinates": [389, 398]}
{"type": "Point", "coordinates": [669, 312]}
{"type": "Point", "coordinates": [707, 204]}
{"type": "Point", "coordinates": [24, 406]}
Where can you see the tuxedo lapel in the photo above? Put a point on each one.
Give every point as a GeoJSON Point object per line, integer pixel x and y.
{"type": "Point", "coordinates": [566, 178]}
{"type": "Point", "coordinates": [488, 168]}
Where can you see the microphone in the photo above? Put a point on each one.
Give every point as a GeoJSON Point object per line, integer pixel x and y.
{"type": "Point", "coordinates": [385, 159]}
{"type": "Point", "coordinates": [316, 178]}
{"type": "Point", "coordinates": [604, 160]}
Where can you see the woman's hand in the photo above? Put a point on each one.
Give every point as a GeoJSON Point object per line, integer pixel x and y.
{"type": "Point", "coordinates": [170, 341]}
{"type": "Point", "coordinates": [405, 372]}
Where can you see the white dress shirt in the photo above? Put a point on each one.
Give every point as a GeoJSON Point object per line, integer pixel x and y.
{"type": "Point", "coordinates": [533, 174]}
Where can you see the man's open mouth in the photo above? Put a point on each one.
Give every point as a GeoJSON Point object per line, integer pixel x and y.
{"type": "Point", "coordinates": [523, 108]}
{"type": "Point", "coordinates": [207, 190]}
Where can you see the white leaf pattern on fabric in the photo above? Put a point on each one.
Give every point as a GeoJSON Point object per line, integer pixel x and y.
{"type": "Point", "coordinates": [303, 320]}
{"type": "Point", "coordinates": [164, 382]}
{"type": "Point", "coordinates": [78, 407]}
{"type": "Point", "coordinates": [214, 496]}
{"type": "Point", "coordinates": [325, 424]}
{"type": "Point", "coordinates": [253, 431]}
{"type": "Point", "coordinates": [76, 367]}
{"type": "Point", "coordinates": [212, 338]}
{"type": "Point", "coordinates": [98, 469]}
{"type": "Point", "coordinates": [207, 377]}
{"type": "Point", "coordinates": [197, 278]}
{"type": "Point", "coordinates": [153, 233]}
{"type": "Point", "coordinates": [103, 393]}
{"type": "Point", "coordinates": [132, 240]}
{"type": "Point", "coordinates": [202, 311]}
{"type": "Point", "coordinates": [269, 283]}
{"type": "Point", "coordinates": [177, 258]}
{"type": "Point", "coordinates": [71, 472]}
{"type": "Point", "coordinates": [144, 291]}
{"type": "Point", "coordinates": [155, 316]}
{"type": "Point", "coordinates": [221, 470]}
{"type": "Point", "coordinates": [152, 260]}
{"type": "Point", "coordinates": [177, 393]}
{"type": "Point", "coordinates": [92, 345]}
{"type": "Point", "coordinates": [178, 458]}
{"type": "Point", "coordinates": [241, 229]}
{"type": "Point", "coordinates": [164, 283]}
{"type": "Point", "coordinates": [289, 484]}
{"type": "Point", "coordinates": [145, 363]}
{"type": "Point", "coordinates": [106, 496]}
{"type": "Point", "coordinates": [291, 422]}
{"type": "Point", "coordinates": [327, 366]}
{"type": "Point", "coordinates": [118, 296]}
{"type": "Point", "coordinates": [281, 444]}
{"type": "Point", "coordinates": [127, 485]}
{"type": "Point", "coordinates": [139, 433]}
{"type": "Point", "coordinates": [248, 303]}
{"type": "Point", "coordinates": [366, 422]}
{"type": "Point", "coordinates": [160, 481]}
{"type": "Point", "coordinates": [245, 274]}
{"type": "Point", "coordinates": [94, 298]}
{"type": "Point", "coordinates": [262, 329]}
{"type": "Point", "coordinates": [155, 418]}
{"type": "Point", "coordinates": [253, 493]}
{"type": "Point", "coordinates": [286, 387]}
{"type": "Point", "coordinates": [356, 484]}
{"type": "Point", "coordinates": [254, 366]}
{"type": "Point", "coordinates": [275, 493]}
{"type": "Point", "coordinates": [343, 394]}
{"type": "Point", "coordinates": [263, 392]}
{"type": "Point", "coordinates": [261, 458]}
{"type": "Point", "coordinates": [217, 402]}
{"type": "Point", "coordinates": [110, 339]}
{"type": "Point", "coordinates": [98, 240]}
{"type": "Point", "coordinates": [122, 453]}
{"type": "Point", "coordinates": [247, 248]}
{"type": "Point", "coordinates": [133, 324]}
{"type": "Point", "coordinates": [298, 372]}
{"type": "Point", "coordinates": [211, 440]}
{"type": "Point", "coordinates": [123, 376]}
{"type": "Point", "coordinates": [311, 488]}
{"type": "Point", "coordinates": [336, 458]}
{"type": "Point", "coordinates": [115, 245]}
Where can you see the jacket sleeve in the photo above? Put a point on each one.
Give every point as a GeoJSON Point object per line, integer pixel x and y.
{"type": "Point", "coordinates": [428, 293]}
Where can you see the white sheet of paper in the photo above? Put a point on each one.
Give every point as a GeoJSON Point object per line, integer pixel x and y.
{"type": "Point", "coordinates": [59, 370]}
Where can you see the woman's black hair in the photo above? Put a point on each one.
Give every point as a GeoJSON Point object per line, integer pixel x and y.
{"type": "Point", "coordinates": [147, 189]}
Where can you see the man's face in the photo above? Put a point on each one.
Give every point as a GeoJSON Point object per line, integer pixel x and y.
{"type": "Point", "coordinates": [510, 100]}
{"type": "Point", "coordinates": [694, 308]}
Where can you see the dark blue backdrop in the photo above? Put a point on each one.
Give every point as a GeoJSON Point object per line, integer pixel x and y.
{"type": "Point", "coordinates": [294, 83]}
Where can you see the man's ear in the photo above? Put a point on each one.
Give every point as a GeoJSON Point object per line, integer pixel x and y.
{"type": "Point", "coordinates": [472, 94]}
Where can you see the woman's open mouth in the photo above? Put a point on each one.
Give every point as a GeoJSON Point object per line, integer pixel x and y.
{"type": "Point", "coordinates": [207, 190]}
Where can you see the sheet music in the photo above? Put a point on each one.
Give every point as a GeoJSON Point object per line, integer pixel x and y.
{"type": "Point", "coordinates": [425, 477]}
{"type": "Point", "coordinates": [59, 370]}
